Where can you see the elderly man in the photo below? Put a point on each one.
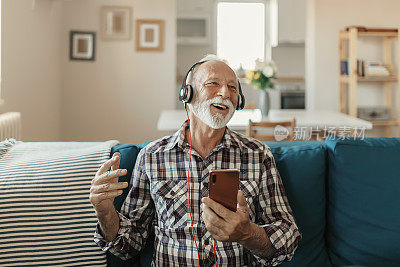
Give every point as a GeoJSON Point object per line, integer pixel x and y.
{"type": "Point", "coordinates": [261, 232]}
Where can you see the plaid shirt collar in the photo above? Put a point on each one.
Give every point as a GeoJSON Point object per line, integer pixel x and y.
{"type": "Point", "coordinates": [178, 139]}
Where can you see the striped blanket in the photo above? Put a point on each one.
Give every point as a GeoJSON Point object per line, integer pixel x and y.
{"type": "Point", "coordinates": [46, 218]}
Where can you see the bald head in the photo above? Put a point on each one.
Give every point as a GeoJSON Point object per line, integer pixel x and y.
{"type": "Point", "coordinates": [213, 69]}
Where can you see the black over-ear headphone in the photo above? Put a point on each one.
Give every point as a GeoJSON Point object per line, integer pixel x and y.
{"type": "Point", "coordinates": [186, 91]}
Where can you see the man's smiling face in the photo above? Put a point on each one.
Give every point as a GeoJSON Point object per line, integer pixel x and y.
{"type": "Point", "coordinates": [216, 93]}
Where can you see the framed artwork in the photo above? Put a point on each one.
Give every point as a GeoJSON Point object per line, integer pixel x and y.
{"type": "Point", "coordinates": [149, 35]}
{"type": "Point", "coordinates": [82, 45]}
{"type": "Point", "coordinates": [115, 22]}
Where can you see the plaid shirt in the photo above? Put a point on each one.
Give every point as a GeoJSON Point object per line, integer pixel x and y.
{"type": "Point", "coordinates": [158, 198]}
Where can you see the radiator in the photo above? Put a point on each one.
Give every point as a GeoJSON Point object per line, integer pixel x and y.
{"type": "Point", "coordinates": [10, 125]}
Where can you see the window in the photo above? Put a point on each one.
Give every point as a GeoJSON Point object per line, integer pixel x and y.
{"type": "Point", "coordinates": [241, 33]}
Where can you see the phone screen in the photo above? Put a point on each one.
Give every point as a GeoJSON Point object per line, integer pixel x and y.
{"type": "Point", "coordinates": [223, 187]}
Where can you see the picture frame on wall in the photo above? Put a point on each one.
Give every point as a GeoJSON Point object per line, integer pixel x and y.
{"type": "Point", "coordinates": [82, 45]}
{"type": "Point", "coordinates": [115, 22]}
{"type": "Point", "coordinates": [149, 35]}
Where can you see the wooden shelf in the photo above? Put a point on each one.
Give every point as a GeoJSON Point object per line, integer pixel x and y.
{"type": "Point", "coordinates": [288, 79]}
{"type": "Point", "coordinates": [346, 78]}
{"type": "Point", "coordinates": [377, 79]}
{"type": "Point", "coordinates": [348, 42]}
{"type": "Point", "coordinates": [385, 123]}
{"type": "Point", "coordinates": [346, 35]}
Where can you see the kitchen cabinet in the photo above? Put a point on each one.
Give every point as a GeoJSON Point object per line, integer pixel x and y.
{"type": "Point", "coordinates": [193, 29]}
{"type": "Point", "coordinates": [291, 22]}
{"type": "Point", "coordinates": [194, 22]}
{"type": "Point", "coordinates": [194, 6]}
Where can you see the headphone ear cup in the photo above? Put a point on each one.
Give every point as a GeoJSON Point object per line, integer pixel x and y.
{"type": "Point", "coordinates": [241, 101]}
{"type": "Point", "coordinates": [186, 94]}
{"type": "Point", "coordinates": [182, 94]}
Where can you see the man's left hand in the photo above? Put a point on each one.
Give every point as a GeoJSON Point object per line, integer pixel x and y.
{"type": "Point", "coordinates": [224, 224]}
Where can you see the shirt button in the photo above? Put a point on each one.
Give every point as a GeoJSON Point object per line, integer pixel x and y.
{"type": "Point", "coordinates": [206, 242]}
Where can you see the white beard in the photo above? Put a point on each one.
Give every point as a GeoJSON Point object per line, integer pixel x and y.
{"type": "Point", "coordinates": [203, 111]}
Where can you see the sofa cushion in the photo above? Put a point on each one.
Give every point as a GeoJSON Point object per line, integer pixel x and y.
{"type": "Point", "coordinates": [363, 212]}
{"type": "Point", "coordinates": [302, 167]}
{"type": "Point", "coordinates": [46, 218]}
{"type": "Point", "coordinates": [129, 153]}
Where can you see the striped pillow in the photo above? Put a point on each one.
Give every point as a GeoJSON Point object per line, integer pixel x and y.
{"type": "Point", "coordinates": [46, 218]}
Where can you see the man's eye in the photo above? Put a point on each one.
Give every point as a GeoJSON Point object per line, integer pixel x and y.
{"type": "Point", "coordinates": [233, 87]}
{"type": "Point", "coordinates": [213, 83]}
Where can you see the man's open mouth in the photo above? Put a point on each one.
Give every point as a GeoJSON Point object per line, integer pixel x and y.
{"type": "Point", "coordinates": [220, 106]}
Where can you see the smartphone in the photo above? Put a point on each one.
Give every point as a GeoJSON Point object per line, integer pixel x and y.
{"type": "Point", "coordinates": [224, 186]}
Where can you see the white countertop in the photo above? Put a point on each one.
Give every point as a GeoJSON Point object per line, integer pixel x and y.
{"type": "Point", "coordinates": [320, 118]}
{"type": "Point", "coordinates": [171, 120]}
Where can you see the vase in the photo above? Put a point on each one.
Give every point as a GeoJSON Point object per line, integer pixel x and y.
{"type": "Point", "coordinates": [264, 103]}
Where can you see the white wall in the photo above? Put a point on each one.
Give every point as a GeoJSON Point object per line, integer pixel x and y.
{"type": "Point", "coordinates": [121, 94]}
{"type": "Point", "coordinates": [30, 66]}
{"type": "Point", "coordinates": [310, 55]}
{"type": "Point", "coordinates": [324, 20]}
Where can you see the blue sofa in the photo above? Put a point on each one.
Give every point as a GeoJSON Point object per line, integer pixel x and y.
{"type": "Point", "coordinates": [344, 195]}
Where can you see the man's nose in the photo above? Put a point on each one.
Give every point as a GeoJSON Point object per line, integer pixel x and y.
{"type": "Point", "coordinates": [224, 91]}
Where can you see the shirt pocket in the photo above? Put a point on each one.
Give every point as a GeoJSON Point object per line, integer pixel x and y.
{"type": "Point", "coordinates": [251, 191]}
{"type": "Point", "coordinates": [171, 203]}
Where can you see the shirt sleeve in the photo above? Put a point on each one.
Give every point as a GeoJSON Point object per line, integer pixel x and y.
{"type": "Point", "coordinates": [135, 218]}
{"type": "Point", "coordinates": [277, 219]}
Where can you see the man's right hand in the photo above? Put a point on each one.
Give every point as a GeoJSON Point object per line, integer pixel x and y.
{"type": "Point", "coordinates": [105, 186]}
